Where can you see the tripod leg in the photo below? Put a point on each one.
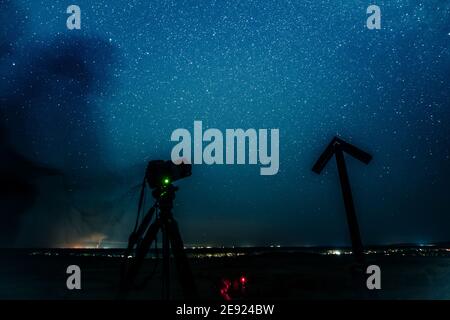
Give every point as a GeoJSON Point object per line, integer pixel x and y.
{"type": "Point", "coordinates": [166, 263]}
{"type": "Point", "coordinates": [136, 235]}
{"type": "Point", "coordinates": [181, 261]}
{"type": "Point", "coordinates": [145, 222]}
{"type": "Point", "coordinates": [141, 252]}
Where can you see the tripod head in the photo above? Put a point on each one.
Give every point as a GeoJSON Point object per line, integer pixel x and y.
{"type": "Point", "coordinates": [164, 192]}
{"type": "Point", "coordinates": [164, 196]}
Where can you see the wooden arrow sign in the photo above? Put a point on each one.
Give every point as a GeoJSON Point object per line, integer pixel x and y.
{"type": "Point", "coordinates": [337, 147]}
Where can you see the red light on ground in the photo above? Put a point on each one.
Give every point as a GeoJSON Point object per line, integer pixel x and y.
{"type": "Point", "coordinates": [231, 289]}
{"type": "Point", "coordinates": [224, 291]}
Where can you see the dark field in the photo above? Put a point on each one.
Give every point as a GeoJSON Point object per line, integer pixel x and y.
{"type": "Point", "coordinates": [412, 273]}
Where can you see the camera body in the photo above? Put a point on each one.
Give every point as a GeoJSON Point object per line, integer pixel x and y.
{"type": "Point", "coordinates": [162, 173]}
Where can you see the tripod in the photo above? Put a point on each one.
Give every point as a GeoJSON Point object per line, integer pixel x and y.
{"type": "Point", "coordinates": [145, 235]}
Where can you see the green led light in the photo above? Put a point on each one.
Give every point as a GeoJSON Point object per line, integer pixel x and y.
{"type": "Point", "coordinates": [166, 181]}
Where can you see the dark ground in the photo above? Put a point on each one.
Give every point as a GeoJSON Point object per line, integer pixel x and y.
{"type": "Point", "coordinates": [40, 274]}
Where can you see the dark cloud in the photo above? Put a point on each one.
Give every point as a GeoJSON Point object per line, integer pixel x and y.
{"type": "Point", "coordinates": [47, 105]}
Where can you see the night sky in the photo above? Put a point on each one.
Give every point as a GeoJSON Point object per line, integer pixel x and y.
{"type": "Point", "coordinates": [82, 111]}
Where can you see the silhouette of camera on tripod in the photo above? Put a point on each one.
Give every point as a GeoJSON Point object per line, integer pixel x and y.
{"type": "Point", "coordinates": [159, 176]}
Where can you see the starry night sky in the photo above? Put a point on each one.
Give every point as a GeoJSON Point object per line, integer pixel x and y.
{"type": "Point", "coordinates": [82, 111]}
